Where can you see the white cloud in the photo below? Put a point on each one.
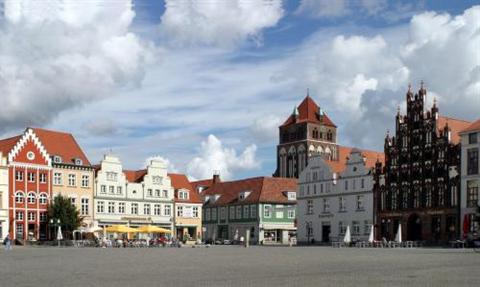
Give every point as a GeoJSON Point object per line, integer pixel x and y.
{"type": "Point", "coordinates": [214, 156]}
{"type": "Point", "coordinates": [323, 8]}
{"type": "Point", "coordinates": [57, 55]}
{"type": "Point", "coordinates": [217, 22]}
{"type": "Point", "coordinates": [265, 128]}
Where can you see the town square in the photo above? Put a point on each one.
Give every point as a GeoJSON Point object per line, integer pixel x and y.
{"type": "Point", "coordinates": [239, 143]}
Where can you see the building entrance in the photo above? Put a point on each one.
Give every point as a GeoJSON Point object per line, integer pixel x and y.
{"type": "Point", "coordinates": [326, 233]}
{"type": "Point", "coordinates": [414, 228]}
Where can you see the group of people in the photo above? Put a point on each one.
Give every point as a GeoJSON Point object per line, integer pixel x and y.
{"type": "Point", "coordinates": [124, 242]}
{"type": "Point", "coordinates": [7, 242]}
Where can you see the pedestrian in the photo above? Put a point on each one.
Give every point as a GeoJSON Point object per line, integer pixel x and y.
{"type": "Point", "coordinates": [8, 242]}
{"type": "Point", "coordinates": [242, 239]}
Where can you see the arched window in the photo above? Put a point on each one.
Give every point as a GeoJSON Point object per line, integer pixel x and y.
{"type": "Point", "coordinates": [31, 197]}
{"type": "Point", "coordinates": [43, 198]}
{"type": "Point", "coordinates": [19, 197]}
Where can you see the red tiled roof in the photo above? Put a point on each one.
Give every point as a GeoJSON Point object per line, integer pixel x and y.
{"type": "Point", "coordinates": [475, 126]}
{"type": "Point", "coordinates": [206, 183]}
{"type": "Point", "coordinates": [135, 175]}
{"type": "Point", "coordinates": [343, 152]}
{"type": "Point", "coordinates": [263, 190]}
{"type": "Point", "coordinates": [308, 112]}
{"type": "Point", "coordinates": [6, 145]}
{"type": "Point", "coordinates": [180, 181]}
{"type": "Point", "coordinates": [455, 125]}
{"type": "Point", "coordinates": [61, 144]}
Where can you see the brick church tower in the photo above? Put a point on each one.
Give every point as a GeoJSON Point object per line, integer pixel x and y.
{"type": "Point", "coordinates": [307, 132]}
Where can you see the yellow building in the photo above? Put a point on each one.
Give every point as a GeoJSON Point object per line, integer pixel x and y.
{"type": "Point", "coordinates": [188, 209]}
{"type": "Point", "coordinates": [73, 174]}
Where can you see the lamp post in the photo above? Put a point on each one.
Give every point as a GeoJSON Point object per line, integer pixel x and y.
{"type": "Point", "coordinates": [50, 228]}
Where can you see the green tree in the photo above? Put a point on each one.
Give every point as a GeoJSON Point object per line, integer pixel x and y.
{"type": "Point", "coordinates": [63, 209]}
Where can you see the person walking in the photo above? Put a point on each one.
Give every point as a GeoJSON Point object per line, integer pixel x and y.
{"type": "Point", "coordinates": [8, 242]}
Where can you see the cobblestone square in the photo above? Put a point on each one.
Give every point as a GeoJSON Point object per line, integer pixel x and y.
{"type": "Point", "coordinates": [236, 266]}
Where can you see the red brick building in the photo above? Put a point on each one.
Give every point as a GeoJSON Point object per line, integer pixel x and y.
{"type": "Point", "coordinates": [30, 188]}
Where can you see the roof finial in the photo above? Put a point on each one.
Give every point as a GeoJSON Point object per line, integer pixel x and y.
{"type": "Point", "coordinates": [295, 111]}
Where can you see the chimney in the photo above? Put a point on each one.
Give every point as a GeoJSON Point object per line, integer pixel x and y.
{"type": "Point", "coordinates": [216, 177]}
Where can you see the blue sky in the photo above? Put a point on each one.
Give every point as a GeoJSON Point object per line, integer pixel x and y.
{"type": "Point", "coordinates": [205, 84]}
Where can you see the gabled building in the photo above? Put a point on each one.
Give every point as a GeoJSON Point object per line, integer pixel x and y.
{"type": "Point", "coordinates": [73, 174]}
{"type": "Point", "coordinates": [263, 205]}
{"type": "Point", "coordinates": [188, 209]}
{"type": "Point", "coordinates": [419, 185]}
{"type": "Point", "coordinates": [3, 197]}
{"type": "Point", "coordinates": [334, 194]}
{"type": "Point", "coordinates": [307, 132]}
{"type": "Point", "coordinates": [30, 185]}
{"type": "Point", "coordinates": [133, 197]}
{"type": "Point", "coordinates": [470, 177]}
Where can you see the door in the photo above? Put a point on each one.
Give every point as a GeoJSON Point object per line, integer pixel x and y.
{"type": "Point", "coordinates": [326, 233]}
{"type": "Point", "coordinates": [414, 228]}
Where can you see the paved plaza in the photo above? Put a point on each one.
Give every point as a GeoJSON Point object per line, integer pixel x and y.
{"type": "Point", "coordinates": [237, 266]}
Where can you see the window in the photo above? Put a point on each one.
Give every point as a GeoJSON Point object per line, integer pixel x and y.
{"type": "Point", "coordinates": [19, 197]}
{"type": "Point", "coordinates": [195, 211]}
{"type": "Point", "coordinates": [100, 207]}
{"type": "Point", "coordinates": [214, 214]}
{"type": "Point", "coordinates": [232, 212]}
{"type": "Point", "coordinates": [134, 208]}
{"type": "Point", "coordinates": [78, 161]}
{"type": "Point", "coordinates": [362, 183]}
{"type": "Point", "coordinates": [111, 176]}
{"type": "Point", "coordinates": [73, 200]}
{"type": "Point", "coordinates": [354, 184]}
{"type": "Point", "coordinates": [85, 206]}
{"type": "Point", "coordinates": [111, 189]}
{"type": "Point", "coordinates": [267, 211]}
{"type": "Point", "coordinates": [157, 180]}
{"type": "Point", "coordinates": [158, 193]}
{"type": "Point", "coordinates": [19, 230]}
{"type": "Point", "coordinates": [72, 180]}
{"type": "Point", "coordinates": [246, 211]}
{"type": "Point", "coordinates": [111, 207]}
{"type": "Point", "coordinates": [31, 177]}
{"type": "Point", "coordinates": [472, 161]}
{"type": "Point", "coordinates": [179, 211]}
{"type": "Point", "coordinates": [239, 212]}
{"type": "Point", "coordinates": [291, 213]}
{"type": "Point", "coordinates": [43, 178]}
{"type": "Point", "coordinates": [165, 193]}
{"type": "Point", "coordinates": [207, 214]}
{"type": "Point", "coordinates": [356, 227]}
{"type": "Point", "coordinates": [341, 228]}
{"type": "Point", "coordinates": [346, 184]}
{"type": "Point", "coordinates": [472, 193]}
{"type": "Point", "coordinates": [366, 227]}
{"type": "Point", "coordinates": [19, 215]}
{"type": "Point", "coordinates": [85, 180]}
{"type": "Point", "coordinates": [43, 217]}
{"type": "Point", "coordinates": [119, 190]}
{"type": "Point", "coordinates": [150, 192]}
{"type": "Point", "coordinates": [360, 202]}
{"type": "Point", "coordinates": [223, 213]}
{"type": "Point", "coordinates": [309, 206]}
{"type": "Point", "coordinates": [43, 198]}
{"type": "Point", "coordinates": [341, 204]}
{"type": "Point", "coordinates": [19, 175]}
{"type": "Point", "coordinates": [146, 209]}
{"type": "Point", "coordinates": [472, 138]}
{"type": "Point", "coordinates": [183, 194]}
{"type": "Point", "coordinates": [31, 216]}
{"type": "Point", "coordinates": [103, 189]}
{"type": "Point", "coordinates": [57, 178]}
{"type": "Point", "coordinates": [253, 211]}
{"type": "Point", "coordinates": [31, 197]}
{"type": "Point", "coordinates": [168, 210]}
{"type": "Point", "coordinates": [121, 207]}
{"type": "Point", "coordinates": [57, 159]}
{"type": "Point", "coordinates": [326, 205]}
{"type": "Point", "coordinates": [428, 196]}
{"type": "Point", "coordinates": [157, 209]}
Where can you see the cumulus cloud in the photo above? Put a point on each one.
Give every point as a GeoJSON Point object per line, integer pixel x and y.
{"type": "Point", "coordinates": [265, 128]}
{"type": "Point", "coordinates": [215, 157]}
{"type": "Point", "coordinates": [323, 8]}
{"type": "Point", "coordinates": [368, 75]}
{"type": "Point", "coordinates": [217, 22]}
{"type": "Point", "coordinates": [57, 55]}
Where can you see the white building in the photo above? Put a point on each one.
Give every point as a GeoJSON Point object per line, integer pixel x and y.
{"type": "Point", "coordinates": [3, 196]}
{"type": "Point", "coordinates": [470, 177]}
{"type": "Point", "coordinates": [335, 194]}
{"type": "Point", "coordinates": [134, 198]}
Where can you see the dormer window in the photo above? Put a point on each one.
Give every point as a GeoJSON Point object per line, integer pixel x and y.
{"type": "Point", "coordinates": [244, 195]}
{"type": "Point", "coordinates": [291, 195]}
{"type": "Point", "coordinates": [78, 161]}
{"type": "Point", "coordinates": [57, 159]}
{"type": "Point", "coordinates": [183, 194]}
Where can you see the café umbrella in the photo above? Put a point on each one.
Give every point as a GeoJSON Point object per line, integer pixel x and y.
{"type": "Point", "coordinates": [120, 229]}
{"type": "Point", "coordinates": [348, 237]}
{"type": "Point", "coordinates": [371, 237]}
{"type": "Point", "coordinates": [398, 237]}
{"type": "Point", "coordinates": [152, 229]}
